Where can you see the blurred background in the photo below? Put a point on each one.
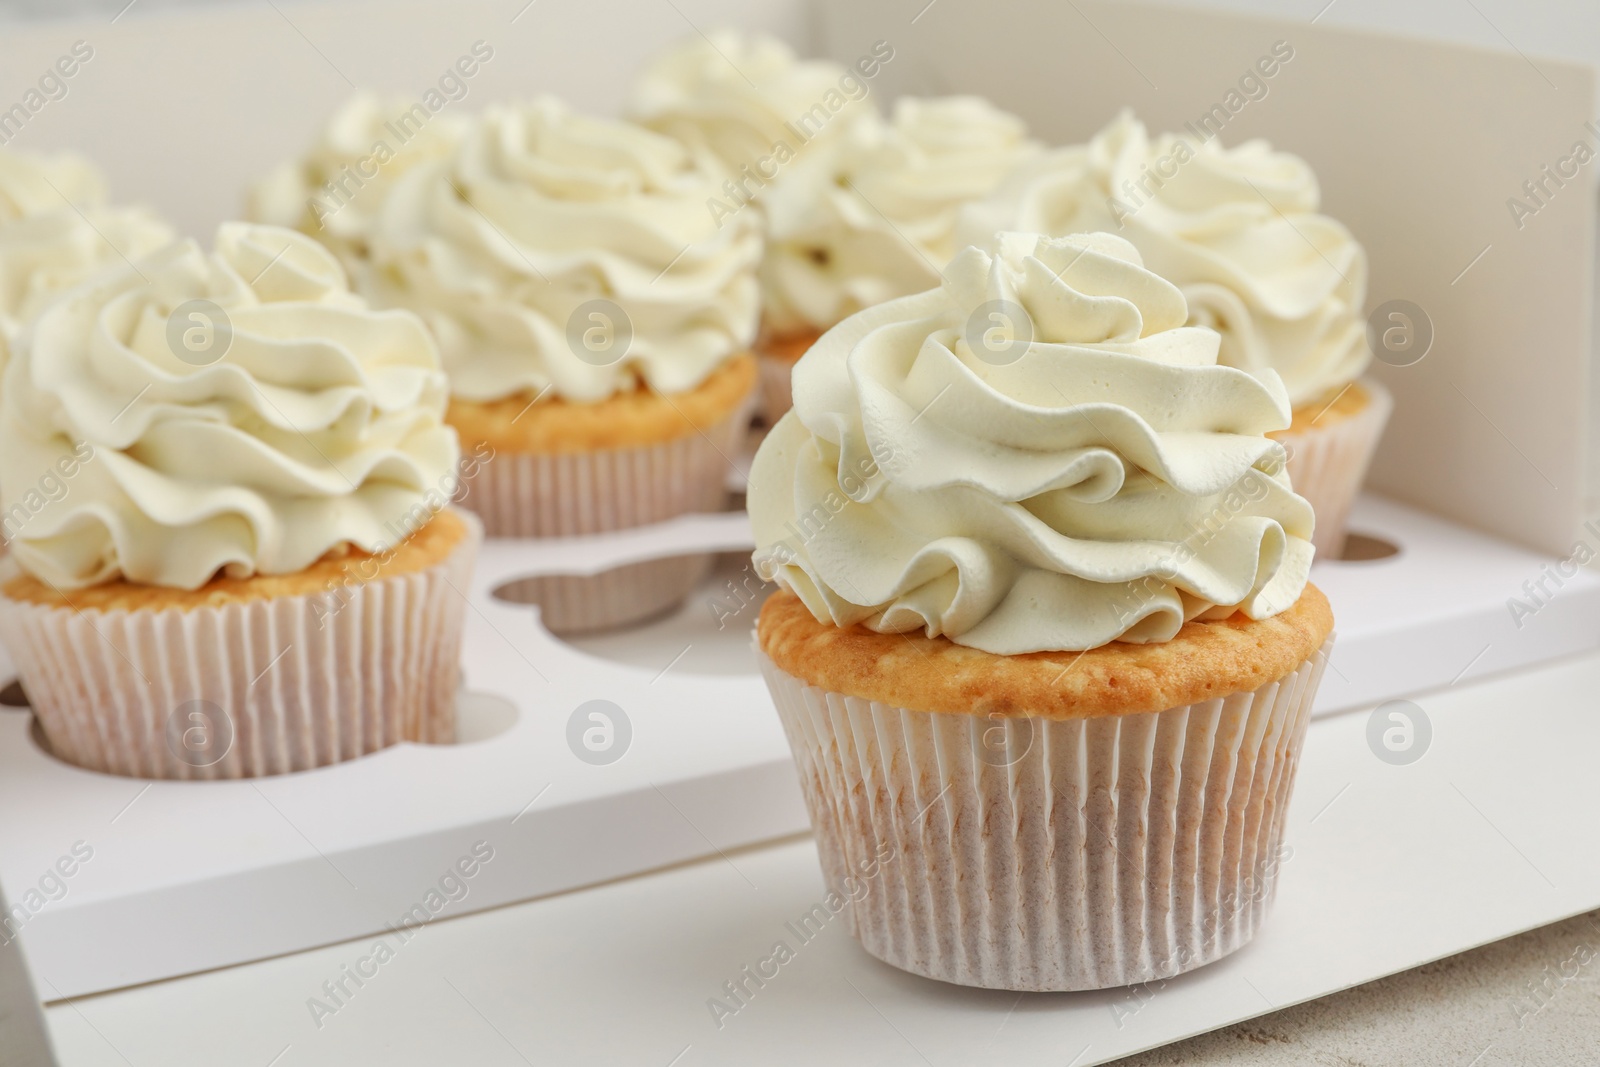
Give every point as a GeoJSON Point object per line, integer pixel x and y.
{"type": "Point", "coordinates": [1567, 29]}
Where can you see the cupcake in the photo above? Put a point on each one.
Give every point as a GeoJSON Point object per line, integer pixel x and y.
{"type": "Point", "coordinates": [1238, 230]}
{"type": "Point", "coordinates": [335, 190]}
{"type": "Point", "coordinates": [595, 322]}
{"type": "Point", "coordinates": [1044, 645]}
{"type": "Point", "coordinates": [225, 479]}
{"type": "Point", "coordinates": [57, 230]}
{"type": "Point", "coordinates": [874, 218]}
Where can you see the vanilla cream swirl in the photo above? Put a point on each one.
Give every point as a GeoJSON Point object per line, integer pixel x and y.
{"type": "Point", "coordinates": [874, 218]}
{"type": "Point", "coordinates": [1237, 229]}
{"type": "Point", "coordinates": [335, 190]}
{"type": "Point", "coordinates": [47, 253]}
{"type": "Point", "coordinates": [318, 425]}
{"type": "Point", "coordinates": [56, 230]}
{"type": "Point", "coordinates": [738, 95]}
{"type": "Point", "coordinates": [1105, 480]}
{"type": "Point", "coordinates": [542, 210]}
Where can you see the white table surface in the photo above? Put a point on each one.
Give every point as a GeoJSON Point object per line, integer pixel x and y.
{"type": "Point", "coordinates": [1489, 834]}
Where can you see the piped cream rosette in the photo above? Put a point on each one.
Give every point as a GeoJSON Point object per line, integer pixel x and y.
{"type": "Point", "coordinates": [872, 216]}
{"type": "Point", "coordinates": [58, 230]}
{"type": "Point", "coordinates": [1095, 476]}
{"type": "Point", "coordinates": [748, 100]}
{"type": "Point", "coordinates": [1241, 232]}
{"type": "Point", "coordinates": [336, 189]}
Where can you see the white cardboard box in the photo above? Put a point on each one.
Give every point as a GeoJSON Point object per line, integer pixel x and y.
{"type": "Point", "coordinates": [1391, 866]}
{"type": "Point", "coordinates": [183, 109]}
{"type": "Point", "coordinates": [188, 876]}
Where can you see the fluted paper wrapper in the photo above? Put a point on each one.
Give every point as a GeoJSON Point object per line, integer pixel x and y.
{"type": "Point", "coordinates": [246, 690]}
{"type": "Point", "coordinates": [585, 493]}
{"type": "Point", "coordinates": [1045, 854]}
{"type": "Point", "coordinates": [1328, 465]}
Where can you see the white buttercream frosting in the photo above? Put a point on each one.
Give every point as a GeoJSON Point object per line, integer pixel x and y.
{"type": "Point", "coordinates": [47, 253]}
{"type": "Point", "coordinates": [56, 230]}
{"type": "Point", "coordinates": [1104, 480]}
{"type": "Point", "coordinates": [738, 95]}
{"type": "Point", "coordinates": [874, 217]}
{"type": "Point", "coordinates": [542, 210]}
{"type": "Point", "coordinates": [1237, 229]}
{"type": "Point", "coordinates": [335, 191]}
{"type": "Point", "coordinates": [317, 426]}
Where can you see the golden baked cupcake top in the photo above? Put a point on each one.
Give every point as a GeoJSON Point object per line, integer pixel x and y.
{"type": "Point", "coordinates": [1202, 661]}
{"type": "Point", "coordinates": [341, 569]}
{"type": "Point", "coordinates": [237, 413]}
{"type": "Point", "coordinates": [639, 418]}
{"type": "Point", "coordinates": [1038, 455]}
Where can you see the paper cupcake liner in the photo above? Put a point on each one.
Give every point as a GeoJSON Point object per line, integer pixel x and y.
{"type": "Point", "coordinates": [1078, 854]}
{"type": "Point", "coordinates": [580, 494]}
{"type": "Point", "coordinates": [777, 388]}
{"type": "Point", "coordinates": [246, 690]}
{"type": "Point", "coordinates": [1328, 465]}
{"type": "Point", "coordinates": [525, 494]}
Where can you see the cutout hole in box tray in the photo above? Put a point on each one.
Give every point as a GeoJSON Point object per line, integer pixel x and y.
{"type": "Point", "coordinates": [705, 770]}
{"type": "Point", "coordinates": [708, 634]}
{"type": "Point", "coordinates": [621, 597]}
{"type": "Point", "coordinates": [1367, 548]}
{"type": "Point", "coordinates": [481, 717]}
